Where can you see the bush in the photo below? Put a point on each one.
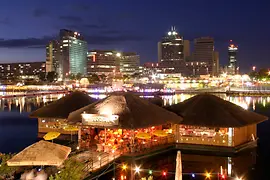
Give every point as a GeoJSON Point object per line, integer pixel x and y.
{"type": "Point", "coordinates": [72, 170]}
{"type": "Point", "coordinates": [6, 170]}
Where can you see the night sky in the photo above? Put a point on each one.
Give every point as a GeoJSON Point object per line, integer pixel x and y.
{"type": "Point", "coordinates": [135, 25]}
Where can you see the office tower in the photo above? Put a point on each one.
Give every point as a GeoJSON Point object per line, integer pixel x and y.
{"type": "Point", "coordinates": [68, 55]}
{"type": "Point", "coordinates": [102, 62]}
{"type": "Point", "coordinates": [129, 63]}
{"type": "Point", "coordinates": [186, 49]}
{"type": "Point", "coordinates": [171, 52]}
{"type": "Point", "coordinates": [74, 53]}
{"type": "Point", "coordinates": [53, 56]}
{"type": "Point", "coordinates": [108, 62]}
{"type": "Point", "coordinates": [204, 54]}
{"type": "Point", "coordinates": [232, 52]}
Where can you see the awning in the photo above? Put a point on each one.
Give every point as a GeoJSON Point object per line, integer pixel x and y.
{"type": "Point", "coordinates": [42, 153]}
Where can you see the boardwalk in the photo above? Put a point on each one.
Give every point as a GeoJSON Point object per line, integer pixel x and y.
{"type": "Point", "coordinates": [95, 160]}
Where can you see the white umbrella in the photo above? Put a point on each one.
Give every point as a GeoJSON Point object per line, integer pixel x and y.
{"type": "Point", "coordinates": [178, 171]}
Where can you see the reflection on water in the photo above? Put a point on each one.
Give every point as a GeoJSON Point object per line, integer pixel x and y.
{"type": "Point", "coordinates": [28, 104]}
{"type": "Point", "coordinates": [244, 102]}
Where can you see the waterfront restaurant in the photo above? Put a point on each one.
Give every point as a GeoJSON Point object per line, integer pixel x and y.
{"type": "Point", "coordinates": [52, 118]}
{"type": "Point", "coordinates": [124, 122]}
{"type": "Point", "coordinates": [210, 120]}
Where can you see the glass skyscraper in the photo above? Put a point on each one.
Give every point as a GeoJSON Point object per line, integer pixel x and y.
{"type": "Point", "coordinates": [68, 55]}
{"type": "Point", "coordinates": [74, 53]}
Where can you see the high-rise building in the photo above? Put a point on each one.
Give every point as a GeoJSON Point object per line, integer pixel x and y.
{"type": "Point", "coordinates": [68, 55]}
{"type": "Point", "coordinates": [232, 52]}
{"type": "Point", "coordinates": [204, 54]}
{"type": "Point", "coordinates": [171, 52]}
{"type": "Point", "coordinates": [53, 56]}
{"type": "Point", "coordinates": [129, 63]}
{"type": "Point", "coordinates": [102, 62]}
{"type": "Point", "coordinates": [74, 52]}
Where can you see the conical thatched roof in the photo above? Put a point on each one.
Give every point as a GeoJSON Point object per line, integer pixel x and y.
{"type": "Point", "coordinates": [42, 153]}
{"type": "Point", "coordinates": [133, 111]}
{"type": "Point", "coordinates": [211, 111]}
{"type": "Point", "coordinates": [62, 107]}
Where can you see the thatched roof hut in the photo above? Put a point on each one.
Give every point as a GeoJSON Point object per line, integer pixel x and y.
{"type": "Point", "coordinates": [42, 153]}
{"type": "Point", "coordinates": [62, 107]}
{"type": "Point", "coordinates": [208, 110]}
{"type": "Point", "coordinates": [133, 112]}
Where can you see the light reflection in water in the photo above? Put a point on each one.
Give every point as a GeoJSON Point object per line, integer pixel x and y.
{"type": "Point", "coordinates": [28, 104]}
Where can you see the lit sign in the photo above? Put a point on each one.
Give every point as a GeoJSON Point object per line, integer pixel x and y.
{"type": "Point", "coordinates": [99, 120]}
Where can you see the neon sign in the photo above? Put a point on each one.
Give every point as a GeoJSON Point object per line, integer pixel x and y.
{"type": "Point", "coordinates": [99, 120]}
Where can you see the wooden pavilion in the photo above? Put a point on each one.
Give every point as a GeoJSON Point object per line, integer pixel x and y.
{"type": "Point", "coordinates": [125, 113]}
{"type": "Point", "coordinates": [210, 120]}
{"type": "Point", "coordinates": [53, 116]}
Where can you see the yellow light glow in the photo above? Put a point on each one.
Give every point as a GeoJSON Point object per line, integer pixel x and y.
{"type": "Point", "coordinates": [124, 167]}
{"type": "Point", "coordinates": [239, 178]}
{"type": "Point", "coordinates": [208, 175]}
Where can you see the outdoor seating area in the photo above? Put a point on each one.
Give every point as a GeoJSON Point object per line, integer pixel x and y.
{"type": "Point", "coordinates": [112, 140]}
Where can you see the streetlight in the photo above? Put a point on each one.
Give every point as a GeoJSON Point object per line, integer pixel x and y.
{"type": "Point", "coordinates": [118, 54]}
{"type": "Point", "coordinates": [253, 68]}
{"type": "Point", "coordinates": [137, 169]}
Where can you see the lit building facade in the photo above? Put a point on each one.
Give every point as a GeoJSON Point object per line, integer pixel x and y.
{"type": "Point", "coordinates": [68, 55]}
{"type": "Point", "coordinates": [233, 66]}
{"type": "Point", "coordinates": [171, 53]}
{"type": "Point", "coordinates": [110, 62]}
{"type": "Point", "coordinates": [129, 63]}
{"type": "Point", "coordinates": [74, 52]}
{"type": "Point", "coordinates": [53, 51]}
{"type": "Point", "coordinates": [102, 62]}
{"type": "Point", "coordinates": [22, 70]}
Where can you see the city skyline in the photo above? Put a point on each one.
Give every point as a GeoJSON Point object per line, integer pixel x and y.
{"type": "Point", "coordinates": [25, 32]}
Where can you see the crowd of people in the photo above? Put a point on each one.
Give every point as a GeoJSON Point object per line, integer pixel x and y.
{"type": "Point", "coordinates": [125, 141]}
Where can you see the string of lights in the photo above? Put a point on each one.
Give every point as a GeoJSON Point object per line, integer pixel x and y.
{"type": "Point", "coordinates": [138, 169]}
{"type": "Point", "coordinates": [207, 175]}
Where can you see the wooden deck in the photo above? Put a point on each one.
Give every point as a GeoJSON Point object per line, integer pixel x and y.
{"type": "Point", "coordinates": [96, 161]}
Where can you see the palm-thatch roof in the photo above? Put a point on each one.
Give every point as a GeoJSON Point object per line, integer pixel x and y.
{"type": "Point", "coordinates": [133, 111]}
{"type": "Point", "coordinates": [42, 153]}
{"type": "Point", "coordinates": [211, 111]}
{"type": "Point", "coordinates": [62, 107]}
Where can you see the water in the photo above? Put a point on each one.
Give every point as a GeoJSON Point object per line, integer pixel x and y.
{"type": "Point", "coordinates": [18, 131]}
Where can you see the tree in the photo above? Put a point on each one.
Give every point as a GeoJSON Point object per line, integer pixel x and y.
{"type": "Point", "coordinates": [71, 76]}
{"type": "Point", "coordinates": [6, 170]}
{"type": "Point", "coordinates": [42, 76]}
{"type": "Point", "coordinates": [72, 170]}
{"type": "Point", "coordinates": [51, 76]}
{"type": "Point", "coordinates": [78, 76]}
